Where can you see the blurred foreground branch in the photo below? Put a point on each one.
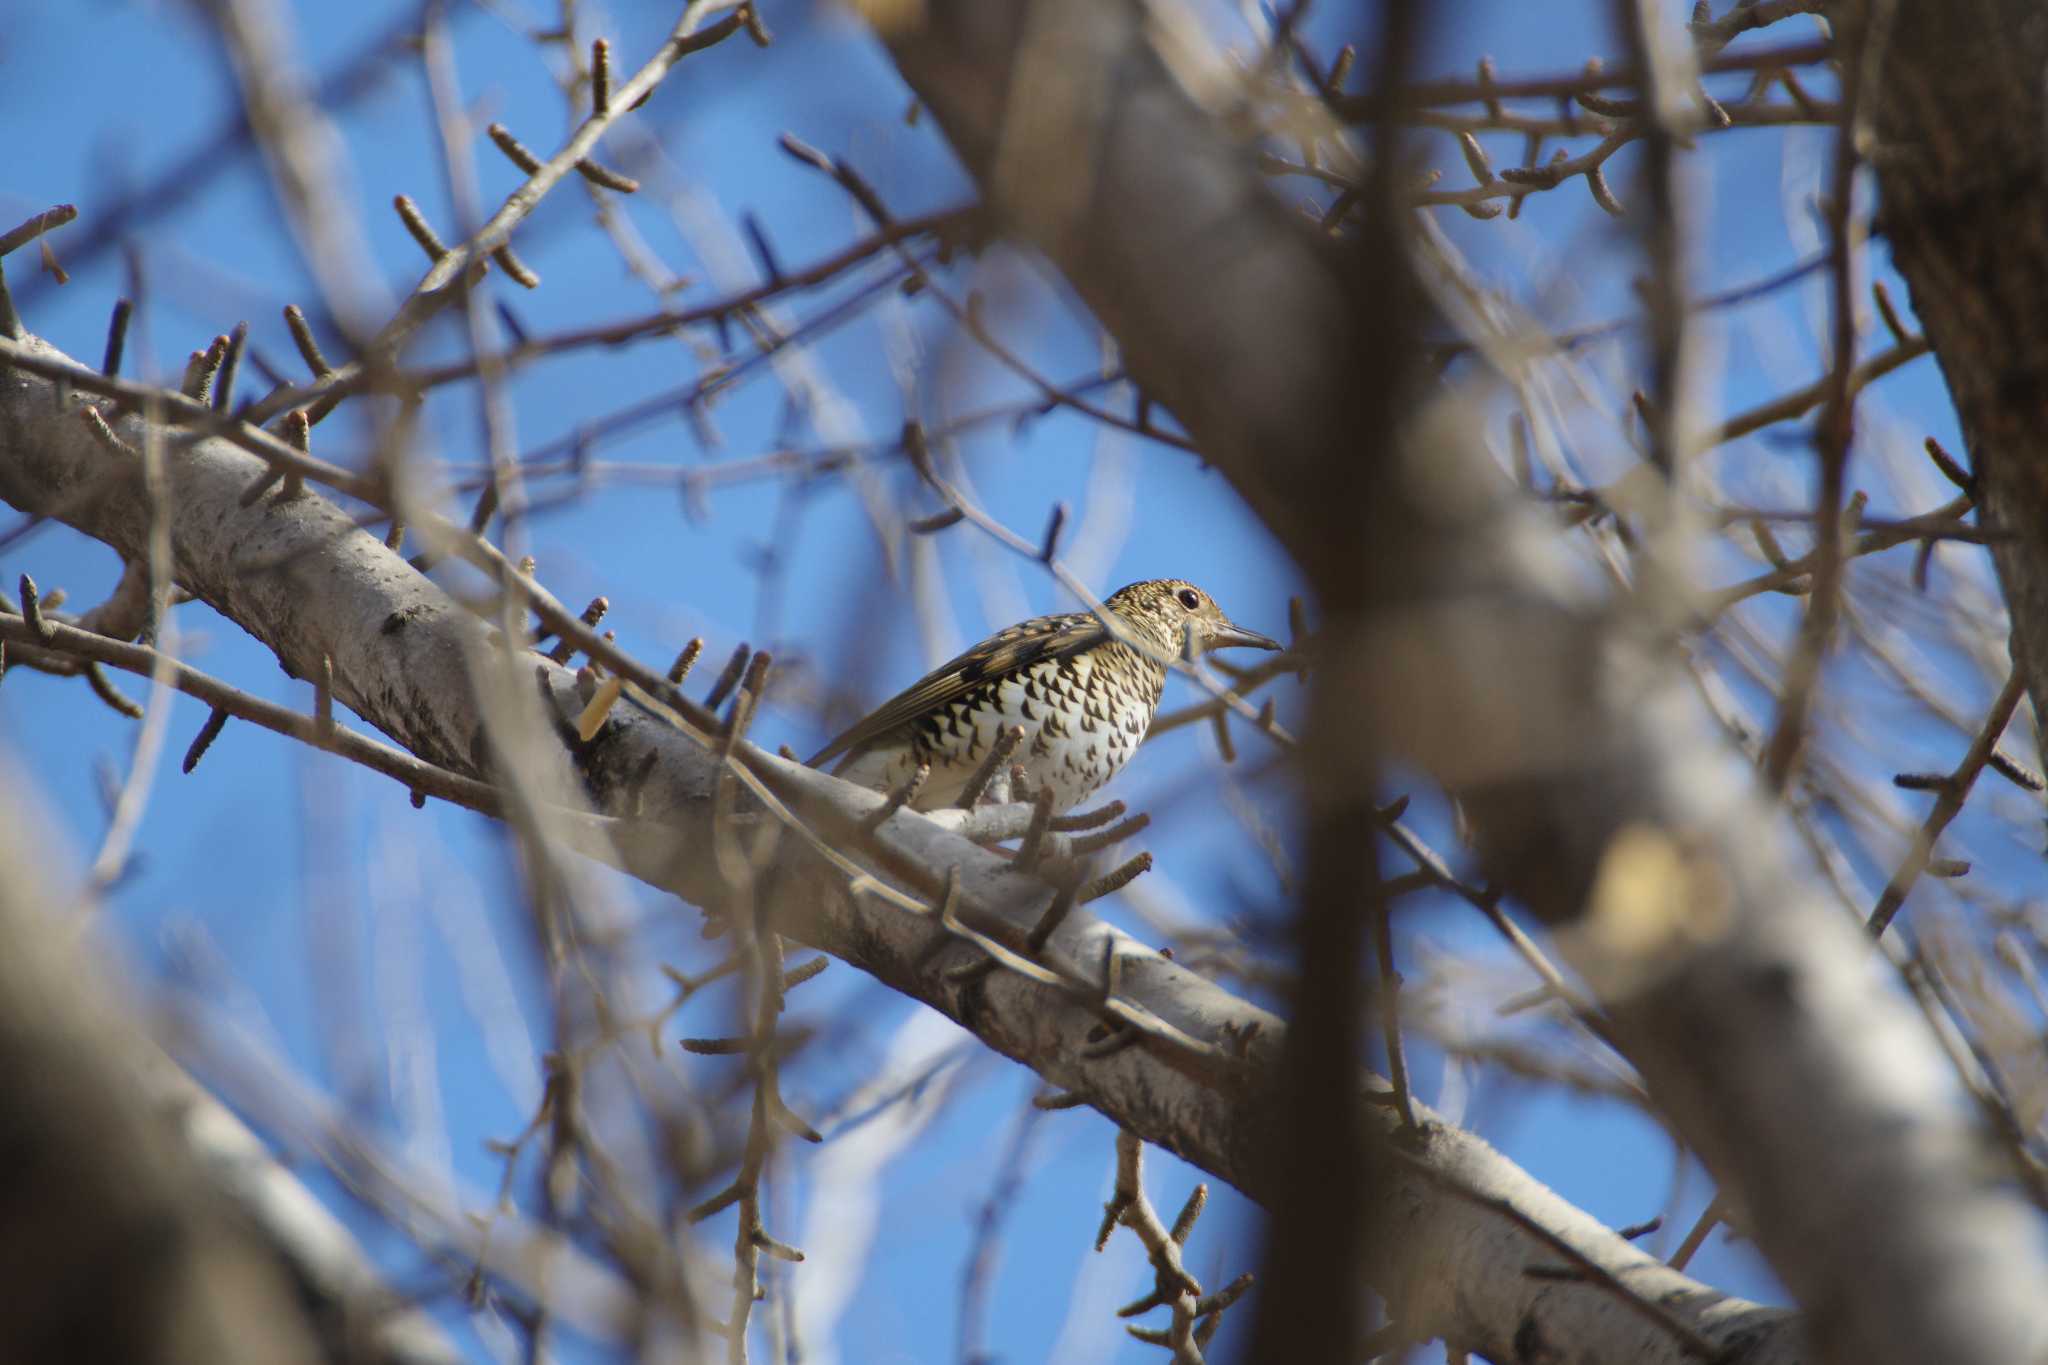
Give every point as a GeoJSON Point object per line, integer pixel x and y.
{"type": "Point", "coordinates": [1963, 182]}
{"type": "Point", "coordinates": [1596, 789]}
{"type": "Point", "coordinates": [111, 1246]}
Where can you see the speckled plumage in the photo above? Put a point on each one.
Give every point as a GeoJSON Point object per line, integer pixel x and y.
{"type": "Point", "coordinates": [1084, 698]}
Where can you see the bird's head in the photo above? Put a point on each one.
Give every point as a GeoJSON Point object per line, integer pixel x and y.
{"type": "Point", "coordinates": [1167, 610]}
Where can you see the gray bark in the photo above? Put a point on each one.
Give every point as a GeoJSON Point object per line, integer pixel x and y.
{"type": "Point", "coordinates": [1197, 1081]}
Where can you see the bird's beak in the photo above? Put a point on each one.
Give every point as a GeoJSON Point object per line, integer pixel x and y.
{"type": "Point", "coordinates": [1230, 633]}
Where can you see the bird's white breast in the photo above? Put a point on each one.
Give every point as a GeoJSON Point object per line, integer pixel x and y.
{"type": "Point", "coordinates": [1079, 729]}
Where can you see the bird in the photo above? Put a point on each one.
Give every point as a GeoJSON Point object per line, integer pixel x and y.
{"type": "Point", "coordinates": [1083, 697]}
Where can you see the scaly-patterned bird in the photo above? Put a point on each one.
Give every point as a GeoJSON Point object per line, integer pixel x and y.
{"type": "Point", "coordinates": [1084, 698]}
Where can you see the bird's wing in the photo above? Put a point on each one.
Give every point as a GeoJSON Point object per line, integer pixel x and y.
{"type": "Point", "coordinates": [1024, 644]}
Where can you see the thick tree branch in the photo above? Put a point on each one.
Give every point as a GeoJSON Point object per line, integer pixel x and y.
{"type": "Point", "coordinates": [1196, 1080]}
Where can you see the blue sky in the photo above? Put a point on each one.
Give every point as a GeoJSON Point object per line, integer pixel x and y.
{"type": "Point", "coordinates": [308, 902]}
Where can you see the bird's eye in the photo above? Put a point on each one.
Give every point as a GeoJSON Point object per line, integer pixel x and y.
{"type": "Point", "coordinates": [1189, 598]}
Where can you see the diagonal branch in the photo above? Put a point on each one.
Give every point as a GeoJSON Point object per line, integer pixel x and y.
{"type": "Point", "coordinates": [1196, 1080]}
